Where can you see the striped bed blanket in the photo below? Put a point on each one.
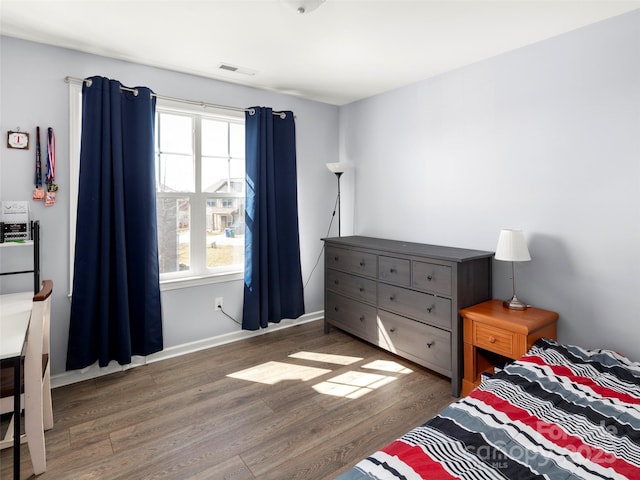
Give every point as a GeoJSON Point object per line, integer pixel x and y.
{"type": "Point", "coordinates": [559, 412]}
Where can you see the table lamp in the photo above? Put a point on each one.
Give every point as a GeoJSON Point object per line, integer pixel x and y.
{"type": "Point", "coordinates": [512, 248]}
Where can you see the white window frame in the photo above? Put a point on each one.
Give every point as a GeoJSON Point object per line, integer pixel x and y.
{"type": "Point", "coordinates": [167, 281]}
{"type": "Point", "coordinates": [75, 130]}
{"type": "Point", "coordinates": [199, 274]}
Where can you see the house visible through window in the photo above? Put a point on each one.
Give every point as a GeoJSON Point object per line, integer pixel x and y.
{"type": "Point", "coordinates": [200, 195]}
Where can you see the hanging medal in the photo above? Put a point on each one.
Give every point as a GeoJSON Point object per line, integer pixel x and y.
{"type": "Point", "coordinates": [38, 191]}
{"type": "Point", "coordinates": [52, 188]}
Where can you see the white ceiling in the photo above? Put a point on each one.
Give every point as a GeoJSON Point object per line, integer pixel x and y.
{"type": "Point", "coordinates": [343, 51]}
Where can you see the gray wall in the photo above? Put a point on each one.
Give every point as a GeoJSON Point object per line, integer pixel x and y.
{"type": "Point", "coordinates": [545, 138]}
{"type": "Point", "coordinates": [33, 92]}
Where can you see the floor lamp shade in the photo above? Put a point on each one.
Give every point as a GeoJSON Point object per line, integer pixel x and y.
{"type": "Point", "coordinates": [512, 248]}
{"type": "Point", "coordinates": [338, 168]}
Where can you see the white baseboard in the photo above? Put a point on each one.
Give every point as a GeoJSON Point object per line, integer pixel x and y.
{"type": "Point", "coordinates": [94, 371]}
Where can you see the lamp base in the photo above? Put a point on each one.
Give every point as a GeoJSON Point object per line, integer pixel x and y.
{"type": "Point", "coordinates": [514, 304]}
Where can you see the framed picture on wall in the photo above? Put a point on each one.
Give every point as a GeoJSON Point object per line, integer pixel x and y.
{"type": "Point", "coordinates": [18, 140]}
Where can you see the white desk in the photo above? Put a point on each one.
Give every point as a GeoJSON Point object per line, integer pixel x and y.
{"type": "Point", "coordinates": [15, 312]}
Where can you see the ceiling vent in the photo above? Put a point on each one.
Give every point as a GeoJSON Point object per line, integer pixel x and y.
{"type": "Point", "coordinates": [227, 67]}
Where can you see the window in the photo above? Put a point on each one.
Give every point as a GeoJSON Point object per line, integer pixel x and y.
{"type": "Point", "coordinates": [200, 182]}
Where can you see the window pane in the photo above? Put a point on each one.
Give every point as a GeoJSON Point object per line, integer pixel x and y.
{"type": "Point", "coordinates": [215, 173]}
{"type": "Point", "coordinates": [174, 221]}
{"type": "Point", "coordinates": [237, 147]}
{"type": "Point", "coordinates": [176, 134]}
{"type": "Point", "coordinates": [215, 140]}
{"type": "Point", "coordinates": [175, 173]}
{"type": "Point", "coordinates": [236, 170]}
{"type": "Point", "coordinates": [225, 231]}
{"type": "Point", "coordinates": [212, 172]}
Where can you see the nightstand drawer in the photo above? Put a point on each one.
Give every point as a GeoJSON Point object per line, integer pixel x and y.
{"type": "Point", "coordinates": [352, 286]}
{"type": "Point", "coordinates": [395, 270]}
{"type": "Point", "coordinates": [432, 277]}
{"type": "Point", "coordinates": [495, 340]}
{"type": "Point", "coordinates": [355, 317]}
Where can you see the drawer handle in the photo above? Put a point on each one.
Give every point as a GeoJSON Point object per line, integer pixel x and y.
{"type": "Point", "coordinates": [361, 289]}
{"type": "Point", "coordinates": [430, 344]}
{"type": "Point", "coordinates": [362, 264]}
{"type": "Point", "coordinates": [336, 258]}
{"type": "Point", "coordinates": [392, 298]}
{"type": "Point", "coordinates": [335, 309]}
{"type": "Point", "coordinates": [392, 329]}
{"type": "Point", "coordinates": [429, 277]}
{"type": "Point", "coordinates": [362, 318]}
{"type": "Point", "coordinates": [492, 339]}
{"type": "Point", "coordinates": [430, 308]}
{"type": "Point", "coordinates": [392, 270]}
{"type": "Point", "coordinates": [336, 282]}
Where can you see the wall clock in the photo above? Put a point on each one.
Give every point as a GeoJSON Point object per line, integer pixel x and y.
{"type": "Point", "coordinates": [18, 140]}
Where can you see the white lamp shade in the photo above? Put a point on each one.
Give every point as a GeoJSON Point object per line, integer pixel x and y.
{"type": "Point", "coordinates": [338, 167]}
{"type": "Point", "coordinates": [512, 247]}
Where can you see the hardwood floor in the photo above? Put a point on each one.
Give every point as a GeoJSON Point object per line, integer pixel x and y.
{"type": "Point", "coordinates": [291, 404]}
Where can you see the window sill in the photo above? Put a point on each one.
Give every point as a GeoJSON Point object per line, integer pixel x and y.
{"type": "Point", "coordinates": [188, 282]}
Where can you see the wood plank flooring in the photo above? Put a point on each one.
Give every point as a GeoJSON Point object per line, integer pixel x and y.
{"type": "Point", "coordinates": [291, 404]}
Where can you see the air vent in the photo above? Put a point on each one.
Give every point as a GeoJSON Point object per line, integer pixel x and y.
{"type": "Point", "coordinates": [227, 67]}
{"type": "Point", "coordinates": [231, 68]}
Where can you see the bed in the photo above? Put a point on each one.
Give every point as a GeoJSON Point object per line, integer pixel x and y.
{"type": "Point", "coordinates": [559, 412]}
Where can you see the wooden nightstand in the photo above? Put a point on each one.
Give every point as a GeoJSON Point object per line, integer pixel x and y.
{"type": "Point", "coordinates": [493, 333]}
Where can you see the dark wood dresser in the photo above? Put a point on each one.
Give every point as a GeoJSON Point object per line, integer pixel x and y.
{"type": "Point", "coordinates": [405, 297]}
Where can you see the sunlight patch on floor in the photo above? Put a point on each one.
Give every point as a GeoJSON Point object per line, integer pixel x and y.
{"type": "Point", "coordinates": [326, 357]}
{"type": "Point", "coordinates": [271, 373]}
{"type": "Point", "coordinates": [388, 366]}
{"type": "Point", "coordinates": [352, 384]}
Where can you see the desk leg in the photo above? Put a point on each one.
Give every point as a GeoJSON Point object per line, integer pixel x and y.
{"type": "Point", "coordinates": [16, 419]}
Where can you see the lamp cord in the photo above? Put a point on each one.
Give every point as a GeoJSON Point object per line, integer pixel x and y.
{"type": "Point", "coordinates": [314, 267]}
{"type": "Point", "coordinates": [333, 215]}
{"type": "Point", "coordinates": [229, 316]}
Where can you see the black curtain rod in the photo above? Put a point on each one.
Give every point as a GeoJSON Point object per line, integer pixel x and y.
{"type": "Point", "coordinates": [250, 111]}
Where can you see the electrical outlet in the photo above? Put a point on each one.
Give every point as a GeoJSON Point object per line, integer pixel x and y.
{"type": "Point", "coordinates": [218, 303]}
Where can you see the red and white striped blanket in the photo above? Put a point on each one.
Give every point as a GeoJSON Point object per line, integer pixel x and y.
{"type": "Point", "coordinates": [559, 412]}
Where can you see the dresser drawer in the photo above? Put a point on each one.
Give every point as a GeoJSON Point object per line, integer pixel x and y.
{"type": "Point", "coordinates": [431, 277]}
{"type": "Point", "coordinates": [421, 306]}
{"type": "Point", "coordinates": [351, 315]}
{"type": "Point", "coordinates": [357, 287]}
{"type": "Point", "coordinates": [496, 340]}
{"type": "Point", "coordinates": [353, 261]}
{"type": "Point", "coordinates": [337, 258]}
{"type": "Point", "coordinates": [364, 263]}
{"type": "Point", "coordinates": [394, 270]}
{"type": "Point", "coordinates": [428, 345]}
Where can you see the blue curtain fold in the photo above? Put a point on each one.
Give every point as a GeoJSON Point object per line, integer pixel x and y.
{"type": "Point", "coordinates": [273, 287]}
{"type": "Point", "coordinates": [115, 309]}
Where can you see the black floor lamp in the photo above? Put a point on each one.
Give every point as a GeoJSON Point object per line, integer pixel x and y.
{"type": "Point", "coordinates": [338, 168]}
